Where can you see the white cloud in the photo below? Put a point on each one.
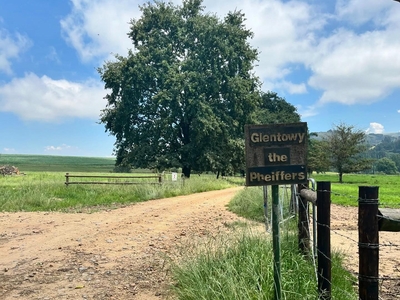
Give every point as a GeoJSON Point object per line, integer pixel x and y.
{"type": "Point", "coordinates": [63, 147]}
{"type": "Point", "coordinates": [291, 87]}
{"type": "Point", "coordinates": [9, 150]}
{"type": "Point", "coordinates": [359, 12]}
{"type": "Point", "coordinates": [308, 111]}
{"type": "Point", "coordinates": [98, 29]}
{"type": "Point", "coordinates": [357, 69]}
{"type": "Point", "coordinates": [11, 47]}
{"type": "Point", "coordinates": [284, 32]}
{"type": "Point", "coordinates": [375, 128]}
{"type": "Point", "coordinates": [44, 99]}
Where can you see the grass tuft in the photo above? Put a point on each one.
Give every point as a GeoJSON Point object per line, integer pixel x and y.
{"type": "Point", "coordinates": [243, 269]}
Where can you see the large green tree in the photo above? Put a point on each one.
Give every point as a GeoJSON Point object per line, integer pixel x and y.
{"type": "Point", "coordinates": [345, 146]}
{"type": "Point", "coordinates": [183, 94]}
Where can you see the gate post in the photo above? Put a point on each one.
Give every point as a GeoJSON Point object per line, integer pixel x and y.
{"type": "Point", "coordinates": [66, 179]}
{"type": "Point", "coordinates": [324, 239]}
{"type": "Point", "coordinates": [368, 243]}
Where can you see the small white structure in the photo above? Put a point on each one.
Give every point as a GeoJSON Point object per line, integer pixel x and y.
{"type": "Point", "coordinates": [174, 176]}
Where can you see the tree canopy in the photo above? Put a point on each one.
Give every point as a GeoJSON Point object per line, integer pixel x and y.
{"type": "Point", "coordinates": [182, 95]}
{"type": "Point", "coordinates": [274, 109]}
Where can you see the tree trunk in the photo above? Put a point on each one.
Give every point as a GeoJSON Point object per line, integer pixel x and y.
{"type": "Point", "coordinates": [186, 171]}
{"type": "Point", "coordinates": [217, 174]}
{"type": "Point", "coordinates": [341, 177]}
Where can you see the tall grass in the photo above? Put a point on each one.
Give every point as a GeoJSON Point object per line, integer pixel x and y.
{"type": "Point", "coordinates": [243, 269]}
{"type": "Point", "coordinates": [46, 191]}
{"type": "Point", "coordinates": [241, 266]}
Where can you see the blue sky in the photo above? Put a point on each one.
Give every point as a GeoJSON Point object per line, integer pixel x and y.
{"type": "Point", "coordinates": [336, 61]}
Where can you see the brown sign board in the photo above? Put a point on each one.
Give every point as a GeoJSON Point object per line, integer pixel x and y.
{"type": "Point", "coordinates": [276, 154]}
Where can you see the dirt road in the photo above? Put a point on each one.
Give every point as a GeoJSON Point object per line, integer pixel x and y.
{"type": "Point", "coordinates": [120, 254]}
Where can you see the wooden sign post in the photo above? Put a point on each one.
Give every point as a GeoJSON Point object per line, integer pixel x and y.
{"type": "Point", "coordinates": [276, 154]}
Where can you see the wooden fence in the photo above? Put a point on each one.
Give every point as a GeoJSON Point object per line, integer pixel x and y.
{"type": "Point", "coordinates": [105, 179]}
{"type": "Point", "coordinates": [371, 220]}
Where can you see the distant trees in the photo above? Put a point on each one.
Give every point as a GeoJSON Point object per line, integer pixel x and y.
{"type": "Point", "coordinates": [386, 165]}
{"type": "Point", "coordinates": [388, 148]}
{"type": "Point", "coordinates": [396, 158]}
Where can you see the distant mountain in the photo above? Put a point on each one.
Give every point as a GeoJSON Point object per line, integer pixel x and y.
{"type": "Point", "coordinates": [376, 138]}
{"type": "Point", "coordinates": [372, 138]}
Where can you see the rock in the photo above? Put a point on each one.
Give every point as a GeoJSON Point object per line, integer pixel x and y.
{"type": "Point", "coordinates": [9, 170]}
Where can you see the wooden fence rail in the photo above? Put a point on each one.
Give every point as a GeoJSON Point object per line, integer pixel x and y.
{"type": "Point", "coordinates": [115, 179]}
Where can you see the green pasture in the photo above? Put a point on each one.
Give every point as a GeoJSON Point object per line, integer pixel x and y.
{"type": "Point", "coordinates": [52, 163]}
{"type": "Point", "coordinates": [346, 193]}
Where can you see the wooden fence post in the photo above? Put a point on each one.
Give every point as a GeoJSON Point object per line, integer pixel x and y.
{"type": "Point", "coordinates": [368, 243]}
{"type": "Point", "coordinates": [324, 239]}
{"type": "Point", "coordinates": [66, 179]}
{"type": "Point", "coordinates": [293, 208]}
{"type": "Point", "coordinates": [303, 224]}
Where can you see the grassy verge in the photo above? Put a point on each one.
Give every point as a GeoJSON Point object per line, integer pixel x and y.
{"type": "Point", "coordinates": [244, 270]}
{"type": "Point", "coordinates": [46, 191]}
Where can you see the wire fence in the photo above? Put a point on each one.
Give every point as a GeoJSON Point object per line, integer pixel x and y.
{"type": "Point", "coordinates": [345, 237]}
{"type": "Point", "coordinates": [344, 234]}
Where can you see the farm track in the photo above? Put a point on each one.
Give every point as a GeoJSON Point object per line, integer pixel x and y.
{"type": "Point", "coordinates": [124, 253]}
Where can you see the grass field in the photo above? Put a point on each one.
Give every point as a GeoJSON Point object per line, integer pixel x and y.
{"type": "Point", "coordinates": [46, 191]}
{"type": "Point", "coordinates": [49, 163]}
{"type": "Point", "coordinates": [346, 193]}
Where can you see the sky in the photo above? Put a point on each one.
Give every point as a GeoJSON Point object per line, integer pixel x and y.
{"type": "Point", "coordinates": [336, 61]}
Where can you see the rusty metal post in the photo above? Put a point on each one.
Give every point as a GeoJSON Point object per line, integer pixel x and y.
{"type": "Point", "coordinates": [303, 224]}
{"type": "Point", "coordinates": [324, 240]}
{"type": "Point", "coordinates": [368, 243]}
{"type": "Point", "coordinates": [276, 243]}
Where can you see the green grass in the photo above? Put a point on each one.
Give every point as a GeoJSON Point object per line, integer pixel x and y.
{"type": "Point", "coordinates": [46, 191]}
{"type": "Point", "coordinates": [49, 163]}
{"type": "Point", "coordinates": [346, 193]}
{"type": "Point", "coordinates": [249, 204]}
{"type": "Point", "coordinates": [242, 268]}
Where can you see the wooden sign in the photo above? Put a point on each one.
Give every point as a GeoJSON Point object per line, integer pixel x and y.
{"type": "Point", "coordinates": [276, 154]}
